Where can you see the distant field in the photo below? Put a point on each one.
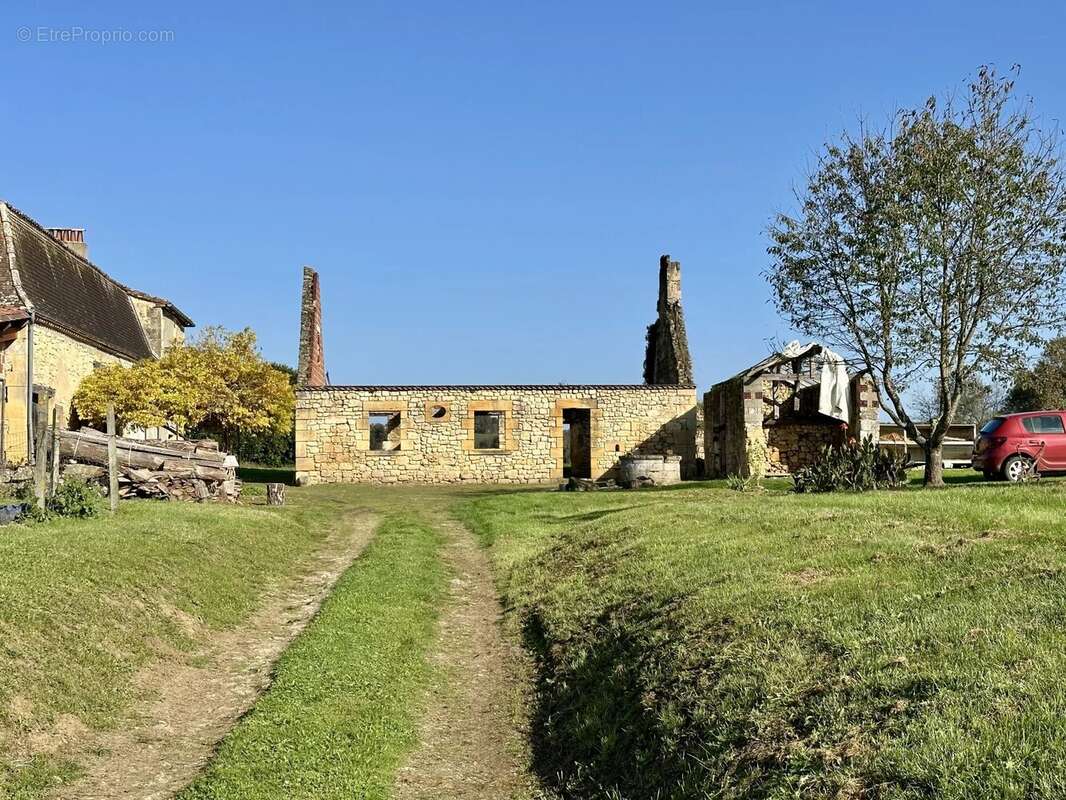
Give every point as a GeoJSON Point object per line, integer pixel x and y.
{"type": "Point", "coordinates": [697, 642]}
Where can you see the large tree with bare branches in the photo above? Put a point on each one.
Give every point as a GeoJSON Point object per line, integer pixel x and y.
{"type": "Point", "coordinates": [931, 251]}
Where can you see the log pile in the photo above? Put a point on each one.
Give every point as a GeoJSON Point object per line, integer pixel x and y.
{"type": "Point", "coordinates": [166, 470]}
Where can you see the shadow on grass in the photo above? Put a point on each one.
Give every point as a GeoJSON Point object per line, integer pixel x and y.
{"type": "Point", "coordinates": [286, 475]}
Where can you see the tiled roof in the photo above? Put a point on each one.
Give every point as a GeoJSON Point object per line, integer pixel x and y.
{"type": "Point", "coordinates": [72, 294]}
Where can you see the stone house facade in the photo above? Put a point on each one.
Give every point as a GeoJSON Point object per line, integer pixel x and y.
{"type": "Point", "coordinates": [437, 435]}
{"type": "Point", "coordinates": [61, 316]}
{"type": "Point", "coordinates": [496, 434]}
{"type": "Point", "coordinates": [766, 420]}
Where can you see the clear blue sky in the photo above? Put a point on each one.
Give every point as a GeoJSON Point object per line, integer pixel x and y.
{"type": "Point", "coordinates": [485, 188]}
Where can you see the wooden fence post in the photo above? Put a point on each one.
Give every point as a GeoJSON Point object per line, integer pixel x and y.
{"type": "Point", "coordinates": [40, 464]}
{"type": "Point", "coordinates": [53, 477]}
{"type": "Point", "coordinates": [112, 459]}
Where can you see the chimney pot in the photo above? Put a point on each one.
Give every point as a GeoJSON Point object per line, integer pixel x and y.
{"type": "Point", "coordinates": [71, 238]}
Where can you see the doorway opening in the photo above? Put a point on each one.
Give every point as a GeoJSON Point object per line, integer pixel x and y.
{"type": "Point", "coordinates": [577, 443]}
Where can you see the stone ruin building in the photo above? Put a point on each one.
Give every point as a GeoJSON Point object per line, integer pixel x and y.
{"type": "Point", "coordinates": [770, 419]}
{"type": "Point", "coordinates": [497, 434]}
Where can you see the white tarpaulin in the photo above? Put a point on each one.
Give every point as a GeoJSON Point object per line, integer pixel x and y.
{"type": "Point", "coordinates": [833, 399]}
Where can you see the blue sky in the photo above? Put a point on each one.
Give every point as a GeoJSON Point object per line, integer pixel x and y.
{"type": "Point", "coordinates": [485, 188]}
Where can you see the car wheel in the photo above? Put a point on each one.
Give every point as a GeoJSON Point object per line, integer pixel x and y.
{"type": "Point", "coordinates": [1015, 467]}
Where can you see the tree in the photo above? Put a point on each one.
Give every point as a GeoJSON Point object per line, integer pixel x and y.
{"type": "Point", "coordinates": [1043, 386]}
{"type": "Point", "coordinates": [932, 250]}
{"type": "Point", "coordinates": [270, 448]}
{"type": "Point", "coordinates": [978, 403]}
{"type": "Point", "coordinates": [219, 384]}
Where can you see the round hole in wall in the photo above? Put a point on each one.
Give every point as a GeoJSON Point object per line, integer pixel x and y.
{"type": "Point", "coordinates": [438, 412]}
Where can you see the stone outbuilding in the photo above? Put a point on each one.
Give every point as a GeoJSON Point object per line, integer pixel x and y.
{"type": "Point", "coordinates": [770, 419]}
{"type": "Point", "coordinates": [497, 434]}
{"type": "Point", "coordinates": [61, 316]}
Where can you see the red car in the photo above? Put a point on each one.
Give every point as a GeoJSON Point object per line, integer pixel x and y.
{"type": "Point", "coordinates": [1009, 445]}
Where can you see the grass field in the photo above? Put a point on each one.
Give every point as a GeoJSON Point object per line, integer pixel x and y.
{"type": "Point", "coordinates": [85, 603]}
{"type": "Point", "coordinates": [697, 642]}
{"type": "Point", "coordinates": [341, 711]}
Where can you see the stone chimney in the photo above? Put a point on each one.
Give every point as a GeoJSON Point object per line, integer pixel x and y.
{"type": "Point", "coordinates": [666, 357]}
{"type": "Point", "coordinates": [311, 369]}
{"type": "Point", "coordinates": [669, 283]}
{"type": "Point", "coordinates": [72, 238]}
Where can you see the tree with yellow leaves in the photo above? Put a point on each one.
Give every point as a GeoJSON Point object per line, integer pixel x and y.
{"type": "Point", "coordinates": [219, 384]}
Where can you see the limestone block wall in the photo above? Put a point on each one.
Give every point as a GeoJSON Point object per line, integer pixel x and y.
{"type": "Point", "coordinates": [794, 445]}
{"type": "Point", "coordinates": [436, 438]}
{"type": "Point", "coordinates": [160, 329]}
{"type": "Point", "coordinates": [724, 429]}
{"type": "Point", "coordinates": [59, 363]}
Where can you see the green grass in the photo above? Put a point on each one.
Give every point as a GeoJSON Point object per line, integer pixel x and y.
{"type": "Point", "coordinates": [697, 642]}
{"type": "Point", "coordinates": [85, 603]}
{"type": "Point", "coordinates": [341, 711]}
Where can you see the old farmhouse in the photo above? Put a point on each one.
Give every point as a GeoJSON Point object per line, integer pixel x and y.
{"type": "Point", "coordinates": [497, 434]}
{"type": "Point", "coordinates": [61, 316]}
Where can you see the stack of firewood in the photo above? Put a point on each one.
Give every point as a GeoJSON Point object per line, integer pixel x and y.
{"type": "Point", "coordinates": [167, 470]}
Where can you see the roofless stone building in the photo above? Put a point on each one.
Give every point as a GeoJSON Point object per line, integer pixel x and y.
{"type": "Point", "coordinates": [496, 434]}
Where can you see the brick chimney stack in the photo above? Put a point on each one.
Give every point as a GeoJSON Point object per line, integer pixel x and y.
{"type": "Point", "coordinates": [72, 238]}
{"type": "Point", "coordinates": [311, 367]}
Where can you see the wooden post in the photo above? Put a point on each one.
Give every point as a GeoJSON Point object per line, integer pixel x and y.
{"type": "Point", "coordinates": [275, 494]}
{"type": "Point", "coordinates": [53, 478]}
{"type": "Point", "coordinates": [40, 464]}
{"type": "Point", "coordinates": [112, 459]}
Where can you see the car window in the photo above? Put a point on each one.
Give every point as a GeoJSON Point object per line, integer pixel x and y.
{"type": "Point", "coordinates": [992, 425]}
{"type": "Point", "coordinates": [1050, 423]}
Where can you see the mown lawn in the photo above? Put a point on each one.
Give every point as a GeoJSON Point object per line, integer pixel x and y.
{"type": "Point", "coordinates": [342, 709]}
{"type": "Point", "coordinates": [697, 642]}
{"type": "Point", "coordinates": [85, 603]}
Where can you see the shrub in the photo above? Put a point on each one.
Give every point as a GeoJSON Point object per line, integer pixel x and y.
{"type": "Point", "coordinates": [739, 483]}
{"type": "Point", "coordinates": [852, 467]}
{"type": "Point", "coordinates": [75, 498]}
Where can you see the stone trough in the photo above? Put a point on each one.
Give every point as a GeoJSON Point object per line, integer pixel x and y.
{"type": "Point", "coordinates": [662, 470]}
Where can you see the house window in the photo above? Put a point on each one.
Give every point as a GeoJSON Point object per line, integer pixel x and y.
{"type": "Point", "coordinates": [384, 430]}
{"type": "Point", "coordinates": [488, 429]}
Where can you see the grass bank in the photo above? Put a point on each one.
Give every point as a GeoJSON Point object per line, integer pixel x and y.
{"type": "Point", "coordinates": [341, 711]}
{"type": "Point", "coordinates": [84, 604]}
{"type": "Point", "coordinates": [697, 642]}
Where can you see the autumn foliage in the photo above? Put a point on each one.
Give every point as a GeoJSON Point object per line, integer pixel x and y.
{"type": "Point", "coordinates": [218, 383]}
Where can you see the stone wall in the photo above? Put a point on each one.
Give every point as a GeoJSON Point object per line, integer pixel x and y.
{"type": "Point", "coordinates": [724, 430]}
{"type": "Point", "coordinates": [59, 364]}
{"type": "Point", "coordinates": [436, 437]}
{"type": "Point", "coordinates": [792, 445]}
{"type": "Point", "coordinates": [160, 329]}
